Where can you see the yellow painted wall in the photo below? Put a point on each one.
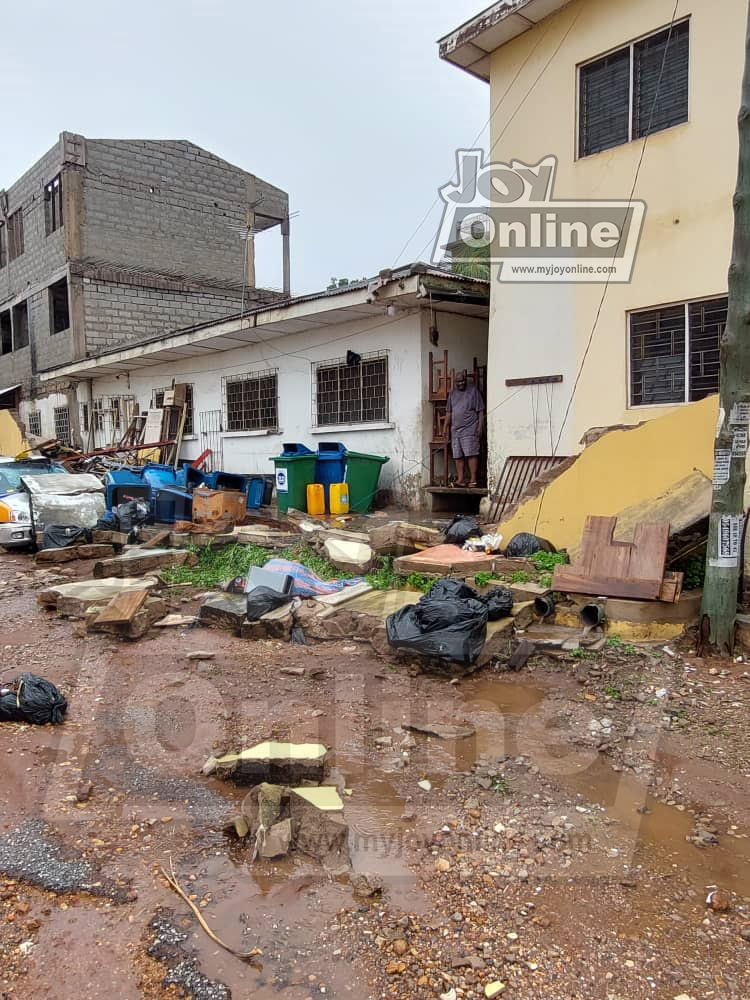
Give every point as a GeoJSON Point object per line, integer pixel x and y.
{"type": "Point", "coordinates": [687, 179]}
{"type": "Point", "coordinates": [12, 442]}
{"type": "Point", "coordinates": [621, 469]}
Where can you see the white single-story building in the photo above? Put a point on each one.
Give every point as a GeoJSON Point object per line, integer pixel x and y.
{"type": "Point", "coordinates": [348, 364]}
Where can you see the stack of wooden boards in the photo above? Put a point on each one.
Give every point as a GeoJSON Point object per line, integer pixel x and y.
{"type": "Point", "coordinates": [608, 568]}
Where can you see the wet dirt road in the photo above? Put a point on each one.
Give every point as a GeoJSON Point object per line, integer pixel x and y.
{"type": "Point", "coordinates": [552, 853]}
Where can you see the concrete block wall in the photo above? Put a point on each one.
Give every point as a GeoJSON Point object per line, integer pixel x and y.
{"type": "Point", "coordinates": [167, 207]}
{"type": "Point", "coordinates": [41, 263]}
{"type": "Point", "coordinates": [117, 312]}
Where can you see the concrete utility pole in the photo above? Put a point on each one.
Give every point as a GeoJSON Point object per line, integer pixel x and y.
{"type": "Point", "coordinates": [725, 532]}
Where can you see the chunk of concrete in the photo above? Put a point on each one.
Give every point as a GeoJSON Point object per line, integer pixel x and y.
{"type": "Point", "coordinates": [135, 561]}
{"type": "Point", "coordinates": [224, 610]}
{"type": "Point", "coordinates": [275, 762]}
{"type": "Point", "coordinates": [73, 599]}
{"type": "Point", "coordinates": [321, 833]}
{"type": "Point", "coordinates": [350, 556]}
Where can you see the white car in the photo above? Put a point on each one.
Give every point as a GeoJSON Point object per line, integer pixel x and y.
{"type": "Point", "coordinates": [15, 513]}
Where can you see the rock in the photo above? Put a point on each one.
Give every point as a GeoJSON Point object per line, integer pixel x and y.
{"type": "Point", "coordinates": [293, 671]}
{"type": "Point", "coordinates": [349, 556]}
{"type": "Point", "coordinates": [395, 968]}
{"type": "Point", "coordinates": [450, 995]}
{"type": "Point", "coordinates": [469, 962]}
{"type": "Point", "coordinates": [224, 610]}
{"type": "Point", "coordinates": [719, 901]}
{"type": "Point", "coordinates": [703, 838]}
{"type": "Point", "coordinates": [425, 785]}
{"type": "Point", "coordinates": [443, 730]}
{"type": "Point", "coordinates": [367, 884]}
{"type": "Point", "coordinates": [745, 932]}
{"type": "Point", "coordinates": [200, 654]}
{"type": "Point", "coordinates": [443, 865]}
{"type": "Point", "coordinates": [400, 947]}
{"type": "Point", "coordinates": [84, 791]}
{"type": "Point", "coordinates": [274, 762]}
{"type": "Point", "coordinates": [277, 840]}
{"type": "Point", "coordinates": [494, 989]}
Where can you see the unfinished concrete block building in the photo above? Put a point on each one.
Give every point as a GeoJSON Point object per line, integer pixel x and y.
{"type": "Point", "coordinates": [108, 241]}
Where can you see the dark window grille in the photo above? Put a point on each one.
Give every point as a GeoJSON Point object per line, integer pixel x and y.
{"type": "Point", "coordinates": [53, 204]}
{"type": "Point", "coordinates": [251, 401]}
{"type": "Point", "coordinates": [626, 95]}
{"type": "Point", "coordinates": [35, 424]}
{"type": "Point", "coordinates": [62, 424]}
{"type": "Point", "coordinates": [352, 393]}
{"type": "Point", "coordinates": [659, 339]}
{"type": "Point", "coordinates": [3, 245]}
{"type": "Point", "coordinates": [15, 234]}
{"type": "Point", "coordinates": [157, 401]}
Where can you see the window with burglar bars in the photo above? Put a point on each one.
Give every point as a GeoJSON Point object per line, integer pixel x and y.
{"type": "Point", "coordinates": [674, 352]}
{"type": "Point", "coordinates": [35, 423]}
{"type": "Point", "coordinates": [53, 204]}
{"type": "Point", "coordinates": [351, 393]}
{"type": "Point", "coordinates": [62, 424]}
{"type": "Point", "coordinates": [639, 89]}
{"type": "Point", "coordinates": [251, 402]}
{"type": "Point", "coordinates": [157, 401]}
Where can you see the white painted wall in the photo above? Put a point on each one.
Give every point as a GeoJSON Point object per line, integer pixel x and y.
{"type": "Point", "coordinates": [401, 438]}
{"type": "Point", "coordinates": [45, 406]}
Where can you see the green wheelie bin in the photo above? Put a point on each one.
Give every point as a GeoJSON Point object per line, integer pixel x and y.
{"type": "Point", "coordinates": [362, 475]}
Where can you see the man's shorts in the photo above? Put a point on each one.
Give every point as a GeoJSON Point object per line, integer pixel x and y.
{"type": "Point", "coordinates": [465, 445]}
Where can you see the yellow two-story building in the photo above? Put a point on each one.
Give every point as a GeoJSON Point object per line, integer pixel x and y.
{"type": "Point", "coordinates": [638, 101]}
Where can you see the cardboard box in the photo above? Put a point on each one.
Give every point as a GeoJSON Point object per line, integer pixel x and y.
{"type": "Point", "coordinates": [213, 505]}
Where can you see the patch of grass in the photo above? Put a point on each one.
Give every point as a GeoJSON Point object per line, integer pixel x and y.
{"type": "Point", "coordinates": [217, 565]}
{"type": "Point", "coordinates": [615, 642]}
{"type": "Point", "coordinates": [545, 580]}
{"type": "Point", "coordinates": [418, 581]}
{"type": "Point", "coordinates": [614, 693]}
{"type": "Point", "coordinates": [583, 654]}
{"type": "Point", "coordinates": [520, 576]}
{"type": "Point", "coordinates": [382, 577]}
{"type": "Point", "coordinates": [500, 785]}
{"type": "Point", "coordinates": [548, 560]}
{"type": "Point", "coordinates": [481, 579]}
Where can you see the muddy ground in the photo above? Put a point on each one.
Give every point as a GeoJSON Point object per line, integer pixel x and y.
{"type": "Point", "coordinates": [566, 850]}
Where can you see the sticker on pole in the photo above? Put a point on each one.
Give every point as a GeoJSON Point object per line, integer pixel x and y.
{"type": "Point", "coordinates": [729, 530]}
{"type": "Point", "coordinates": [282, 481]}
{"type": "Point", "coordinates": [740, 414]}
{"type": "Point", "coordinates": [739, 443]}
{"type": "Point", "coordinates": [722, 465]}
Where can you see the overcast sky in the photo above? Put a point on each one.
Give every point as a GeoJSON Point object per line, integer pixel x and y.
{"type": "Point", "coordinates": [345, 105]}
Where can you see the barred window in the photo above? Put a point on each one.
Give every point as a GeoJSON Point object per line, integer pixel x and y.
{"type": "Point", "coordinates": [62, 424]}
{"type": "Point", "coordinates": [157, 401]}
{"type": "Point", "coordinates": [251, 401]}
{"type": "Point", "coordinates": [35, 423]}
{"type": "Point", "coordinates": [352, 390]}
{"type": "Point", "coordinates": [639, 89]}
{"type": "Point", "coordinates": [674, 352]}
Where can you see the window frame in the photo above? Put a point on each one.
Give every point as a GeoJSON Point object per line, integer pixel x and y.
{"type": "Point", "coordinates": [189, 428]}
{"type": "Point", "coordinates": [51, 289]}
{"type": "Point", "coordinates": [630, 46]}
{"type": "Point", "coordinates": [685, 305]}
{"type": "Point", "coordinates": [3, 244]}
{"type": "Point", "coordinates": [16, 243]}
{"type": "Point", "coordinates": [68, 437]}
{"type": "Point", "coordinates": [16, 310]}
{"type": "Point", "coordinates": [340, 363]}
{"type": "Point", "coordinates": [36, 416]}
{"type": "Point", "coordinates": [54, 217]}
{"type": "Point", "coordinates": [228, 423]}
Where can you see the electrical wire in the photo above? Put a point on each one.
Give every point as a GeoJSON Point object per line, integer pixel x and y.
{"type": "Point", "coordinates": [614, 256]}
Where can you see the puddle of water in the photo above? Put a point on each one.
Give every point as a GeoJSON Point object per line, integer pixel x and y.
{"type": "Point", "coordinates": [658, 831]}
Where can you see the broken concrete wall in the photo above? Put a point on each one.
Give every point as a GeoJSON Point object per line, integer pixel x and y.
{"type": "Point", "coordinates": [626, 469]}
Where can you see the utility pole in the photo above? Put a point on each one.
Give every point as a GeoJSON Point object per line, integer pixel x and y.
{"type": "Point", "coordinates": [725, 531]}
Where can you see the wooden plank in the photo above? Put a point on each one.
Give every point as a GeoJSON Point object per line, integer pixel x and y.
{"type": "Point", "coordinates": [566, 579]}
{"type": "Point", "coordinates": [157, 539]}
{"type": "Point", "coordinates": [671, 587]}
{"type": "Point", "coordinates": [122, 608]}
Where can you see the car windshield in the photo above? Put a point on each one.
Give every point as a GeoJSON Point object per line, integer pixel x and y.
{"type": "Point", "coordinates": [11, 472]}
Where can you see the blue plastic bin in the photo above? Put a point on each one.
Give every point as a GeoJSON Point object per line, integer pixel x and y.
{"type": "Point", "coordinates": [330, 466]}
{"type": "Point", "coordinates": [256, 488]}
{"type": "Point", "coordinates": [171, 504]}
{"type": "Point", "coordinates": [157, 475]}
{"type": "Point", "coordinates": [188, 477]}
{"type": "Point", "coordinates": [117, 482]}
{"type": "Point", "coordinates": [225, 481]}
{"type": "Point", "coordinates": [295, 448]}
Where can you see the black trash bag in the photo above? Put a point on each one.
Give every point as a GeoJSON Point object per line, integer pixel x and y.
{"type": "Point", "coordinates": [461, 528]}
{"type": "Point", "coordinates": [499, 603]}
{"type": "Point", "coordinates": [445, 630]}
{"type": "Point", "coordinates": [260, 600]}
{"type": "Point", "coordinates": [526, 544]}
{"type": "Point", "coordinates": [33, 699]}
{"type": "Point", "coordinates": [447, 590]}
{"type": "Point", "coordinates": [131, 514]}
{"type": "Point", "coordinates": [60, 536]}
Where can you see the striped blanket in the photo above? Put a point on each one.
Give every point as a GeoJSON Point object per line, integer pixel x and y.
{"type": "Point", "coordinates": [307, 583]}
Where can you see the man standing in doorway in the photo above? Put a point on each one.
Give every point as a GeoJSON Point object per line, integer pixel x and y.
{"type": "Point", "coordinates": [465, 424]}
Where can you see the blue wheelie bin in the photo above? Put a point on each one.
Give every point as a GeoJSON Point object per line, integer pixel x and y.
{"type": "Point", "coordinates": [330, 467]}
